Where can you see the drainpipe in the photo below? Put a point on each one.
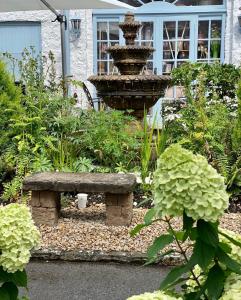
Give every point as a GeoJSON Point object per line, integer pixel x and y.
{"type": "Point", "coordinates": [230, 59]}
{"type": "Point", "coordinates": [66, 46]}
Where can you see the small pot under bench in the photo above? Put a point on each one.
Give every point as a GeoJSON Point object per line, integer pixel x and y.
{"type": "Point", "coordinates": [46, 188]}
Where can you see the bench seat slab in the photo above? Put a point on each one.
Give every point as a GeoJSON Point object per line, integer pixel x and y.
{"type": "Point", "coordinates": [80, 182]}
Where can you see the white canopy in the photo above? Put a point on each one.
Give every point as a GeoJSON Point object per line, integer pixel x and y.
{"type": "Point", "coordinates": [24, 5]}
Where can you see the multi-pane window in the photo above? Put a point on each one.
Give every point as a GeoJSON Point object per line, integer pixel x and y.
{"type": "Point", "coordinates": [176, 44]}
{"type": "Point", "coordinates": [209, 40]}
{"type": "Point", "coordinates": [107, 35]}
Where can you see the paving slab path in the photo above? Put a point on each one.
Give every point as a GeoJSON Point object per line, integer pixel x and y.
{"type": "Point", "coordinates": [90, 281]}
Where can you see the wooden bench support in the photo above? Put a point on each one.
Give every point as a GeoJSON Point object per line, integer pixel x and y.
{"type": "Point", "coordinates": [119, 209]}
{"type": "Point", "coordinates": [45, 207]}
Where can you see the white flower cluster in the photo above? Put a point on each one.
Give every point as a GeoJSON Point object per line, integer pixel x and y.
{"type": "Point", "coordinates": [232, 288]}
{"type": "Point", "coordinates": [18, 235]}
{"type": "Point", "coordinates": [186, 182]}
{"type": "Point", "coordinates": [235, 250]}
{"type": "Point", "coordinates": [158, 295]}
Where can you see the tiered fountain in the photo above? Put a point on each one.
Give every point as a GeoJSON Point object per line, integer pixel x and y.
{"type": "Point", "coordinates": [131, 90]}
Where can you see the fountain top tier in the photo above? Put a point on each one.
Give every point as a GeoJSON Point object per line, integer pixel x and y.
{"type": "Point", "coordinates": [130, 28]}
{"type": "Point", "coordinates": [132, 89]}
{"type": "Point", "coordinates": [131, 58]}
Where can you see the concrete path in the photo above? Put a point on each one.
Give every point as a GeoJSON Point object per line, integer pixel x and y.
{"type": "Point", "coordinates": [90, 281]}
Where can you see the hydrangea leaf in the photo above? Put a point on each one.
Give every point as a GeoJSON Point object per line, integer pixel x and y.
{"type": "Point", "coordinates": [159, 243]}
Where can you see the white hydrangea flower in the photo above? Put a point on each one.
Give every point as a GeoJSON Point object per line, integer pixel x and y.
{"type": "Point", "coordinates": [18, 236]}
{"type": "Point", "coordinates": [232, 288]}
{"type": "Point", "coordinates": [158, 295]}
{"type": "Point", "coordinates": [235, 250]}
{"type": "Point", "coordinates": [184, 181]}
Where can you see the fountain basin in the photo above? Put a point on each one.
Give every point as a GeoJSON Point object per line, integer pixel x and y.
{"type": "Point", "coordinates": [131, 92]}
{"type": "Point", "coordinates": [130, 60]}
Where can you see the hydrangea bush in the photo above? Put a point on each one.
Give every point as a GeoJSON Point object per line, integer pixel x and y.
{"type": "Point", "coordinates": [18, 236]}
{"type": "Point", "coordinates": [186, 185]}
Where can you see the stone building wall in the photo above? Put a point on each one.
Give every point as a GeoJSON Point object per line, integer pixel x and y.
{"type": "Point", "coordinates": [233, 33]}
{"type": "Point", "coordinates": [81, 50]}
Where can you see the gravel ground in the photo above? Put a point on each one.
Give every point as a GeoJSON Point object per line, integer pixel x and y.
{"type": "Point", "coordinates": [85, 229]}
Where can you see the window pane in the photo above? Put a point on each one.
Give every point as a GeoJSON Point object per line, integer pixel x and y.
{"type": "Point", "coordinates": [169, 30]}
{"type": "Point", "coordinates": [203, 29]}
{"type": "Point", "coordinates": [102, 67]}
{"type": "Point", "coordinates": [147, 31]}
{"type": "Point", "coordinates": [168, 50]}
{"type": "Point", "coordinates": [114, 31]}
{"type": "Point", "coordinates": [183, 50]}
{"type": "Point", "coordinates": [101, 50]}
{"type": "Point", "coordinates": [184, 29]}
{"type": "Point", "coordinates": [202, 51]}
{"type": "Point", "coordinates": [167, 67]}
{"type": "Point", "coordinates": [102, 31]}
{"type": "Point", "coordinates": [215, 49]}
{"type": "Point", "coordinates": [216, 28]}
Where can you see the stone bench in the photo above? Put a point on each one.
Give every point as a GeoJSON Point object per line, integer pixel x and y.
{"type": "Point", "coordinates": [46, 188]}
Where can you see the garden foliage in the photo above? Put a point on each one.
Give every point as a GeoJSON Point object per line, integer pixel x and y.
{"type": "Point", "coordinates": [185, 184]}
{"type": "Point", "coordinates": [42, 131]}
{"type": "Point", "coordinates": [208, 121]}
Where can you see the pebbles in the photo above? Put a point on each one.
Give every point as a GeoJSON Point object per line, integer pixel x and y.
{"type": "Point", "coordinates": [85, 229]}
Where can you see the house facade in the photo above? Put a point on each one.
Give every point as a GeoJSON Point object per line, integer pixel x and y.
{"type": "Point", "coordinates": [179, 30]}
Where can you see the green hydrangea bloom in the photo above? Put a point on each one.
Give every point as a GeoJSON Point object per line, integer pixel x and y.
{"type": "Point", "coordinates": [235, 250]}
{"type": "Point", "coordinates": [185, 181]}
{"type": "Point", "coordinates": [232, 288]}
{"type": "Point", "coordinates": [158, 295]}
{"type": "Point", "coordinates": [18, 235]}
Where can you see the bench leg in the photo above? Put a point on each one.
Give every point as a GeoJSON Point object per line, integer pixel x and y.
{"type": "Point", "coordinates": [45, 206]}
{"type": "Point", "coordinates": [119, 209]}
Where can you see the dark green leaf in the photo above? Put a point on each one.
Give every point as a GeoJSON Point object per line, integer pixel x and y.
{"type": "Point", "coordinates": [173, 275]}
{"type": "Point", "coordinates": [190, 296]}
{"type": "Point", "coordinates": [235, 242]}
{"type": "Point", "coordinates": [4, 294]}
{"type": "Point", "coordinates": [137, 229]}
{"type": "Point", "coordinates": [193, 234]}
{"type": "Point", "coordinates": [204, 253]}
{"type": "Point", "coordinates": [149, 216]}
{"type": "Point", "coordinates": [208, 233]}
{"type": "Point", "coordinates": [231, 264]}
{"type": "Point", "coordinates": [20, 278]}
{"type": "Point", "coordinates": [187, 222]}
{"type": "Point", "coordinates": [4, 276]}
{"type": "Point", "coordinates": [179, 234]}
{"type": "Point", "coordinates": [158, 258]}
{"type": "Point", "coordinates": [12, 290]}
{"type": "Point", "coordinates": [159, 243]}
{"type": "Point", "coordinates": [226, 248]}
{"type": "Point", "coordinates": [215, 282]}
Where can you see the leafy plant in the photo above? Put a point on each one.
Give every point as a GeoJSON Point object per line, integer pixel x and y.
{"type": "Point", "coordinates": [206, 123]}
{"type": "Point", "coordinates": [186, 184]}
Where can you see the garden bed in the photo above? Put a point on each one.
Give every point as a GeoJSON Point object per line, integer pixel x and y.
{"type": "Point", "coordinates": [85, 230]}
